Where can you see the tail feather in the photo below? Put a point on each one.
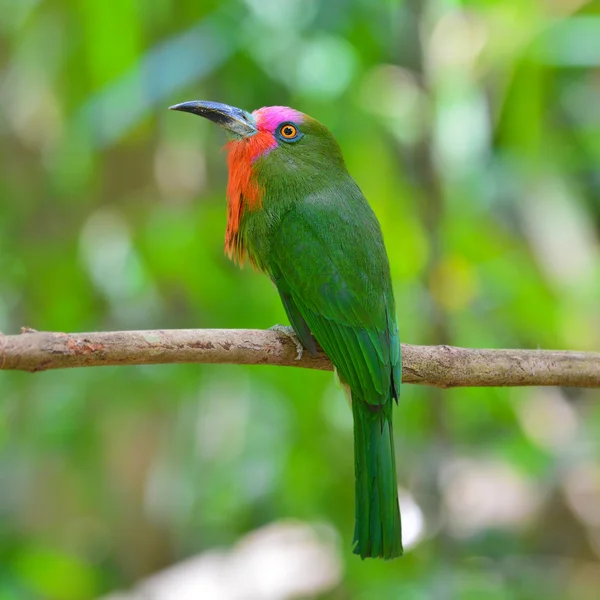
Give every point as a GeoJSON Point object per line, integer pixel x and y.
{"type": "Point", "coordinates": [377, 530]}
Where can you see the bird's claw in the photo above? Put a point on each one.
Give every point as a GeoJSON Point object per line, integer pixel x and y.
{"type": "Point", "coordinates": [289, 331]}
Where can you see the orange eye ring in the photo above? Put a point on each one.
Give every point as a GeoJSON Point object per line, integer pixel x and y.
{"type": "Point", "coordinates": [288, 131]}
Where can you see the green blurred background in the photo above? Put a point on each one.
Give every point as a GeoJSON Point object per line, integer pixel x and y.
{"type": "Point", "coordinates": [474, 129]}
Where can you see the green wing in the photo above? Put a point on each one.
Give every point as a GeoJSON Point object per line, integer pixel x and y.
{"type": "Point", "coordinates": [329, 264]}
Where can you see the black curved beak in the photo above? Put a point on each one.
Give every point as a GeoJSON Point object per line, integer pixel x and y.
{"type": "Point", "coordinates": [234, 120]}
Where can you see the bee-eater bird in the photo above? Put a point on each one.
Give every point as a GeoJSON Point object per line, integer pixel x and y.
{"type": "Point", "coordinates": [297, 215]}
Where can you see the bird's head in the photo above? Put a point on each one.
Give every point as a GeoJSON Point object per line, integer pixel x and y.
{"type": "Point", "coordinates": [275, 152]}
{"type": "Point", "coordinates": [282, 135]}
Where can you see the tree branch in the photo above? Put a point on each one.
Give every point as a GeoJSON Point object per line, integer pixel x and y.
{"type": "Point", "coordinates": [441, 366]}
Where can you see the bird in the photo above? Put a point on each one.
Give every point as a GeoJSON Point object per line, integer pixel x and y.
{"type": "Point", "coordinates": [295, 213]}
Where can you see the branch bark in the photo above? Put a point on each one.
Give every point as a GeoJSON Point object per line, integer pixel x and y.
{"type": "Point", "coordinates": [440, 366]}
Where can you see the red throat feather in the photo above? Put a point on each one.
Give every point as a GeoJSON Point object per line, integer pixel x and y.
{"type": "Point", "coordinates": [243, 191]}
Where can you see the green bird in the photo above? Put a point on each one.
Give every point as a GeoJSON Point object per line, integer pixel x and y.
{"type": "Point", "coordinates": [296, 214]}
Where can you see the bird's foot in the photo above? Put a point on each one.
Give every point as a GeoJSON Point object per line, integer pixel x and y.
{"type": "Point", "coordinates": [289, 331]}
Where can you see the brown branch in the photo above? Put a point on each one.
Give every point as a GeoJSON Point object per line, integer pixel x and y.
{"type": "Point", "coordinates": [441, 366]}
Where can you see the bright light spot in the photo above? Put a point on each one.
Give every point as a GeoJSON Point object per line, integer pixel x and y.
{"type": "Point", "coordinates": [462, 131]}
{"type": "Point", "coordinates": [105, 248]}
{"type": "Point", "coordinates": [456, 41]}
{"type": "Point", "coordinates": [280, 561]}
{"type": "Point", "coordinates": [222, 419]}
{"type": "Point", "coordinates": [206, 576]}
{"type": "Point", "coordinates": [116, 269]}
{"type": "Point", "coordinates": [288, 559]}
{"type": "Point", "coordinates": [394, 94]}
{"type": "Point", "coordinates": [413, 521]}
{"type": "Point", "coordinates": [547, 418]}
{"type": "Point", "coordinates": [390, 91]}
{"type": "Point", "coordinates": [325, 66]}
{"type": "Point", "coordinates": [481, 494]}
{"type": "Point", "coordinates": [561, 233]}
{"type": "Point", "coordinates": [291, 14]}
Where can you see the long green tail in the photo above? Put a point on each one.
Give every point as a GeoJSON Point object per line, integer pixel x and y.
{"type": "Point", "coordinates": [377, 531]}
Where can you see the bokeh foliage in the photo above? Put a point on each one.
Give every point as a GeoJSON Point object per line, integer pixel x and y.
{"type": "Point", "coordinates": [474, 129]}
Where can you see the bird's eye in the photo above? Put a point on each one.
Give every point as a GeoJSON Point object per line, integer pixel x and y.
{"type": "Point", "coordinates": [288, 131]}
